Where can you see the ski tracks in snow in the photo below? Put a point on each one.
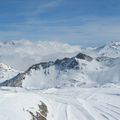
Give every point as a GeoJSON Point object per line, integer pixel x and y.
{"type": "Point", "coordinates": [84, 106]}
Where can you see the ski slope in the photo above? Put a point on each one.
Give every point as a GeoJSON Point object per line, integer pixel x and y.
{"type": "Point", "coordinates": [62, 104]}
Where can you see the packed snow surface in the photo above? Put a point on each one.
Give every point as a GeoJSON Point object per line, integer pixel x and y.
{"type": "Point", "coordinates": [62, 104]}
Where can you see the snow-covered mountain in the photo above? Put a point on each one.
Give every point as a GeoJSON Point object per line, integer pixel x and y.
{"type": "Point", "coordinates": [81, 70]}
{"type": "Point", "coordinates": [78, 71]}
{"type": "Point", "coordinates": [52, 74]}
{"type": "Point", "coordinates": [6, 72]}
{"type": "Point", "coordinates": [111, 50]}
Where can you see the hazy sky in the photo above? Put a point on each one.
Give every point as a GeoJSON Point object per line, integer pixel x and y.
{"type": "Point", "coordinates": [85, 22]}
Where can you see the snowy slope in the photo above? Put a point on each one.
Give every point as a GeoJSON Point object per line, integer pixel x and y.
{"type": "Point", "coordinates": [61, 104]}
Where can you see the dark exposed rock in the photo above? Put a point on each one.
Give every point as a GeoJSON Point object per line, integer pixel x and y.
{"type": "Point", "coordinates": [41, 114]}
{"type": "Point", "coordinates": [66, 63]}
{"type": "Point", "coordinates": [14, 82]}
{"type": "Point", "coordinates": [84, 57]}
{"type": "Point", "coordinates": [38, 66]}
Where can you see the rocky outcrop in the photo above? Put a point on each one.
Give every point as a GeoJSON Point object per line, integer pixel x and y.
{"type": "Point", "coordinates": [84, 57]}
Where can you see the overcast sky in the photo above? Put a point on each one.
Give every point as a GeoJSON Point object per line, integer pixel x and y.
{"type": "Point", "coordinates": [82, 22]}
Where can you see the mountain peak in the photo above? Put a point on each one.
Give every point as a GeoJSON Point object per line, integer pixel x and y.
{"type": "Point", "coordinates": [84, 57]}
{"type": "Point", "coordinates": [4, 66]}
{"type": "Point", "coordinates": [110, 50]}
{"type": "Point", "coordinates": [114, 44]}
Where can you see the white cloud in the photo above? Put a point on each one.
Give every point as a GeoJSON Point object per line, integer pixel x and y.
{"type": "Point", "coordinates": [42, 8]}
{"type": "Point", "coordinates": [24, 53]}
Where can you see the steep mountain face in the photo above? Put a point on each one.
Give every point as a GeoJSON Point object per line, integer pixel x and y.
{"type": "Point", "coordinates": [6, 72]}
{"type": "Point", "coordinates": [62, 72]}
{"type": "Point", "coordinates": [111, 50]}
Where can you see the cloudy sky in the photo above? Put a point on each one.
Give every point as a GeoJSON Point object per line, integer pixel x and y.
{"type": "Point", "coordinates": [84, 22]}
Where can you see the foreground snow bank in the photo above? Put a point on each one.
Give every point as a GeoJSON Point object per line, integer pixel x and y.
{"type": "Point", "coordinates": [62, 104]}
